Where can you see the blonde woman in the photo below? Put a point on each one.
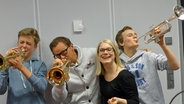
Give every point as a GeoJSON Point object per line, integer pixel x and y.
{"type": "Point", "coordinates": [117, 85]}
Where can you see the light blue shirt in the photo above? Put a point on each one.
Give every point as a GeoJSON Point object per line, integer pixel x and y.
{"type": "Point", "coordinates": [22, 90]}
{"type": "Point", "coordinates": [144, 66]}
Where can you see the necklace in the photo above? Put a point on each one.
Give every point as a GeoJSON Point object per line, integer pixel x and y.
{"type": "Point", "coordinates": [22, 78]}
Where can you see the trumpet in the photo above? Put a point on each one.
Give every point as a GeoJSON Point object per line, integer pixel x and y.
{"type": "Point", "coordinates": [3, 60]}
{"type": "Point", "coordinates": [164, 26]}
{"type": "Point", "coordinates": [59, 74]}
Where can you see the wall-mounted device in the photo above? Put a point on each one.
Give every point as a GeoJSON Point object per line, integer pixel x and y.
{"type": "Point", "coordinates": [77, 26]}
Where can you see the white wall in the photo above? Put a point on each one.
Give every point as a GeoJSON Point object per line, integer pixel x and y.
{"type": "Point", "coordinates": [101, 19]}
{"type": "Point", "coordinates": [56, 20]}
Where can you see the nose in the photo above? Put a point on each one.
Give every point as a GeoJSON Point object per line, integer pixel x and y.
{"type": "Point", "coordinates": [62, 57]}
{"type": "Point", "coordinates": [135, 35]}
{"type": "Point", "coordinates": [105, 51]}
{"type": "Point", "coordinates": [24, 45]}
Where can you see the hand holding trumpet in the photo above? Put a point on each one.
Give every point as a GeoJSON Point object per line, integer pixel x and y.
{"type": "Point", "coordinates": [15, 57]}
{"type": "Point", "coordinates": [58, 62]}
{"type": "Point", "coordinates": [159, 40]}
{"type": "Point", "coordinates": [164, 27]}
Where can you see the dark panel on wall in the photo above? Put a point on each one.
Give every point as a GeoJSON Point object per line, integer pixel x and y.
{"type": "Point", "coordinates": [182, 51]}
{"type": "Point", "coordinates": [182, 3]}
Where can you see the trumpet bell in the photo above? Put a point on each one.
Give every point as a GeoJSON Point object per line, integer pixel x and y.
{"type": "Point", "coordinates": [179, 12]}
{"type": "Point", "coordinates": [2, 62]}
{"type": "Point", "coordinates": [58, 75]}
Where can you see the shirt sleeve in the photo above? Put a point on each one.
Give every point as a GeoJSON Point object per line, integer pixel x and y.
{"type": "Point", "coordinates": [162, 63]}
{"type": "Point", "coordinates": [159, 60]}
{"type": "Point", "coordinates": [3, 81]}
{"type": "Point", "coordinates": [38, 78]}
{"type": "Point", "coordinates": [59, 94]}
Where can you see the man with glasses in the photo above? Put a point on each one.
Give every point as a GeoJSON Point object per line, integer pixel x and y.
{"type": "Point", "coordinates": [83, 84]}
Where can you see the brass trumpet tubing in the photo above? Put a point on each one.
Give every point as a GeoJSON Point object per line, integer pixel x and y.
{"type": "Point", "coordinates": [151, 32]}
{"type": "Point", "coordinates": [164, 26]}
{"type": "Point", "coordinates": [172, 18]}
{"type": "Point", "coordinates": [3, 60]}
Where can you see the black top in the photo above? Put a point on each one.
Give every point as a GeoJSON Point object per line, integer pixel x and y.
{"type": "Point", "coordinates": [123, 86]}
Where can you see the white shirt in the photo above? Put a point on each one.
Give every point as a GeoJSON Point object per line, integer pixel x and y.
{"type": "Point", "coordinates": [83, 84]}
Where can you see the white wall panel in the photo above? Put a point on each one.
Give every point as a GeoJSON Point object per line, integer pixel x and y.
{"type": "Point", "coordinates": [56, 19]}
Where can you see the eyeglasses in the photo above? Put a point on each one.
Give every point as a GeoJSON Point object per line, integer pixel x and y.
{"type": "Point", "coordinates": [102, 50]}
{"type": "Point", "coordinates": [62, 53]}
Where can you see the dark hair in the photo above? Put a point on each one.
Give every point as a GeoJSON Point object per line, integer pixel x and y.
{"type": "Point", "coordinates": [30, 32]}
{"type": "Point", "coordinates": [56, 40]}
{"type": "Point", "coordinates": [119, 38]}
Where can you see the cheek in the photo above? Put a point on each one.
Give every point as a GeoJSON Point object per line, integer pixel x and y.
{"type": "Point", "coordinates": [69, 55]}
{"type": "Point", "coordinates": [30, 49]}
{"type": "Point", "coordinates": [99, 56]}
{"type": "Point", "coordinates": [127, 41]}
{"type": "Point", "coordinates": [113, 56]}
{"type": "Point", "coordinates": [20, 45]}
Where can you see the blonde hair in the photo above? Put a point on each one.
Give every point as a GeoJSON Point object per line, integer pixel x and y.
{"type": "Point", "coordinates": [99, 67]}
{"type": "Point", "coordinates": [30, 32]}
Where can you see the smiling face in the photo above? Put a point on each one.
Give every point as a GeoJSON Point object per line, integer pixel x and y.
{"type": "Point", "coordinates": [107, 56]}
{"type": "Point", "coordinates": [106, 53]}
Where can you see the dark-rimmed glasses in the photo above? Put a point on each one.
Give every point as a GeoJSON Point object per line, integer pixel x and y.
{"type": "Point", "coordinates": [102, 50]}
{"type": "Point", "coordinates": [62, 53]}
